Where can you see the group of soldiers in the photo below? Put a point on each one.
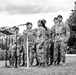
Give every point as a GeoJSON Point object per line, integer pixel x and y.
{"type": "Point", "coordinates": [45, 46]}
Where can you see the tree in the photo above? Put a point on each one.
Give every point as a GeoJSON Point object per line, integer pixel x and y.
{"type": "Point", "coordinates": [72, 18]}
{"type": "Point", "coordinates": [71, 21]}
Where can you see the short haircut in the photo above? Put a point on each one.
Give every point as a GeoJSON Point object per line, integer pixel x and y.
{"type": "Point", "coordinates": [28, 23]}
{"type": "Point", "coordinates": [60, 16]}
{"type": "Point", "coordinates": [55, 18]}
{"type": "Point", "coordinates": [39, 20]}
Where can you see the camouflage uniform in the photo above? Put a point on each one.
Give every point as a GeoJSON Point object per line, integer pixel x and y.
{"type": "Point", "coordinates": [13, 42]}
{"type": "Point", "coordinates": [42, 45]}
{"type": "Point", "coordinates": [47, 46]}
{"type": "Point", "coordinates": [31, 40]}
{"type": "Point", "coordinates": [60, 34]}
{"type": "Point", "coordinates": [12, 54]}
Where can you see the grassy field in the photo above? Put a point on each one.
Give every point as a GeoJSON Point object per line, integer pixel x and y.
{"type": "Point", "coordinates": [68, 69]}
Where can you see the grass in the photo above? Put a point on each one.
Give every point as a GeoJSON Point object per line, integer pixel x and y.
{"type": "Point", "coordinates": [68, 69]}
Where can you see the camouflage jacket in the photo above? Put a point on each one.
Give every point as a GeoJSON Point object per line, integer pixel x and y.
{"type": "Point", "coordinates": [60, 32]}
{"type": "Point", "coordinates": [13, 39]}
{"type": "Point", "coordinates": [42, 36]}
{"type": "Point", "coordinates": [30, 33]}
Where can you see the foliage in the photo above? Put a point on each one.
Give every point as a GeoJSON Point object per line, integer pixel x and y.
{"type": "Point", "coordinates": [71, 21]}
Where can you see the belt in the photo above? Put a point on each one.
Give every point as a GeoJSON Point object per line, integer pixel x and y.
{"type": "Point", "coordinates": [59, 34]}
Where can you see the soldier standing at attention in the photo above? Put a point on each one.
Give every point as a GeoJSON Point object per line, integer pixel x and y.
{"type": "Point", "coordinates": [55, 49]}
{"type": "Point", "coordinates": [18, 44]}
{"type": "Point", "coordinates": [61, 34]}
{"type": "Point", "coordinates": [67, 35]}
{"type": "Point", "coordinates": [13, 46]}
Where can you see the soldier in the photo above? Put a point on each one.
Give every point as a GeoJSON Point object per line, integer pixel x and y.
{"type": "Point", "coordinates": [60, 35]}
{"type": "Point", "coordinates": [48, 44]}
{"type": "Point", "coordinates": [60, 18]}
{"type": "Point", "coordinates": [55, 51]}
{"type": "Point", "coordinates": [16, 43]}
{"type": "Point", "coordinates": [42, 43]}
{"type": "Point", "coordinates": [31, 39]}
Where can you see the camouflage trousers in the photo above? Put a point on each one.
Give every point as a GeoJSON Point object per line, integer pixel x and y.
{"type": "Point", "coordinates": [59, 50]}
{"type": "Point", "coordinates": [12, 58]}
{"type": "Point", "coordinates": [30, 55]}
{"type": "Point", "coordinates": [51, 49]}
{"type": "Point", "coordinates": [42, 53]}
{"type": "Point", "coordinates": [47, 53]}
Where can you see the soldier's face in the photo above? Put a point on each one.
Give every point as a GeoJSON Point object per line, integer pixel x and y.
{"type": "Point", "coordinates": [60, 19]}
{"type": "Point", "coordinates": [29, 26]}
{"type": "Point", "coordinates": [39, 24]}
{"type": "Point", "coordinates": [56, 21]}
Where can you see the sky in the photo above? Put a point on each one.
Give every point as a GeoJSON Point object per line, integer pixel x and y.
{"type": "Point", "coordinates": [16, 12]}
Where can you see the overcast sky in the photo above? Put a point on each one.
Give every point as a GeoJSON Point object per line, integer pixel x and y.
{"type": "Point", "coordinates": [15, 12]}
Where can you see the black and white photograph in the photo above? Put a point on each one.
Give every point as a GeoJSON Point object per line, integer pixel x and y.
{"type": "Point", "coordinates": [37, 37]}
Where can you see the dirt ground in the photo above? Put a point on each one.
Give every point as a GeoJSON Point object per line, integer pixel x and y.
{"type": "Point", "coordinates": [68, 69]}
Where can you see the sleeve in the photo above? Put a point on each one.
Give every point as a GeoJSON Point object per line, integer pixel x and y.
{"type": "Point", "coordinates": [48, 34]}
{"type": "Point", "coordinates": [67, 32]}
{"type": "Point", "coordinates": [52, 33]}
{"type": "Point", "coordinates": [25, 32]}
{"type": "Point", "coordinates": [34, 33]}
